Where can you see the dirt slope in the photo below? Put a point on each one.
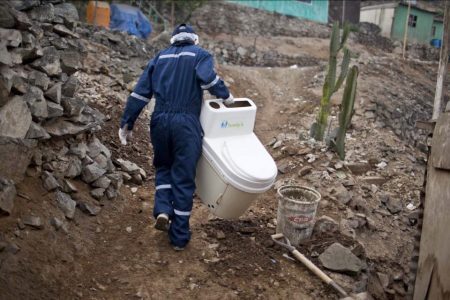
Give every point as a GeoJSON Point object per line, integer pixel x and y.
{"type": "Point", "coordinates": [118, 255]}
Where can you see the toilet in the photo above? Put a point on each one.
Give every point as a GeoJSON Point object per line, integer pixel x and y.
{"type": "Point", "coordinates": [234, 167]}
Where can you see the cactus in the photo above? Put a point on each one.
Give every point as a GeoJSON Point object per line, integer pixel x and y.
{"type": "Point", "coordinates": [331, 85]}
{"type": "Point", "coordinates": [346, 111]}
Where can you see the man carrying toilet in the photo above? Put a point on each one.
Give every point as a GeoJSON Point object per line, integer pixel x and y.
{"type": "Point", "coordinates": [176, 77]}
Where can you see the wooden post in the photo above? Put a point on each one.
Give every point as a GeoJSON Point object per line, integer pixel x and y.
{"type": "Point", "coordinates": [405, 35]}
{"type": "Point", "coordinates": [172, 14]}
{"type": "Point", "coordinates": [443, 61]}
{"type": "Point", "coordinates": [95, 12]}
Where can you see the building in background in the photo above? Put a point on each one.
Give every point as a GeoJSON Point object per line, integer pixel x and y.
{"type": "Point", "coordinates": [344, 10]}
{"type": "Point", "coordinates": [322, 11]}
{"type": "Point", "coordinates": [424, 22]}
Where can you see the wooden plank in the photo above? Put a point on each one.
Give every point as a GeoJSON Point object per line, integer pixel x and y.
{"type": "Point", "coordinates": [426, 125]}
{"type": "Point", "coordinates": [433, 276]}
{"type": "Point", "coordinates": [442, 70]}
{"type": "Point", "coordinates": [440, 145]}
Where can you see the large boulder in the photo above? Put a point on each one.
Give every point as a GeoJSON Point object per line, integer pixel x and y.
{"type": "Point", "coordinates": [39, 79]}
{"type": "Point", "coordinates": [92, 172]}
{"type": "Point", "coordinates": [75, 168]}
{"type": "Point", "coordinates": [21, 19]}
{"type": "Point", "coordinates": [90, 117]}
{"type": "Point", "coordinates": [5, 56]}
{"type": "Point", "coordinates": [49, 62]}
{"type": "Point", "coordinates": [28, 40]}
{"type": "Point", "coordinates": [37, 132]}
{"type": "Point", "coordinates": [7, 195]}
{"type": "Point", "coordinates": [15, 118]}
{"type": "Point", "coordinates": [12, 37]}
{"type": "Point", "coordinates": [70, 87]}
{"type": "Point", "coordinates": [64, 31]}
{"type": "Point", "coordinates": [61, 127]}
{"type": "Point", "coordinates": [66, 204]}
{"type": "Point", "coordinates": [96, 147]}
{"type": "Point", "coordinates": [340, 259]}
{"type": "Point", "coordinates": [28, 54]}
{"type": "Point", "coordinates": [24, 4]}
{"type": "Point", "coordinates": [70, 61]}
{"type": "Point", "coordinates": [54, 110]}
{"type": "Point", "coordinates": [15, 156]}
{"type": "Point", "coordinates": [44, 13]}
{"type": "Point", "coordinates": [6, 17]}
{"type": "Point", "coordinates": [7, 76]}
{"type": "Point", "coordinates": [36, 101]}
{"type": "Point", "coordinates": [67, 11]}
{"type": "Point", "coordinates": [54, 93]}
{"type": "Point", "coordinates": [128, 166]}
{"type": "Point", "coordinates": [72, 106]}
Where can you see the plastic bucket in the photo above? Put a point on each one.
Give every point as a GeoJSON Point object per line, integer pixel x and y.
{"type": "Point", "coordinates": [297, 207]}
{"type": "Point", "coordinates": [436, 43]}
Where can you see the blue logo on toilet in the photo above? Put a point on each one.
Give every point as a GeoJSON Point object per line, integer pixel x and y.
{"type": "Point", "coordinates": [226, 124]}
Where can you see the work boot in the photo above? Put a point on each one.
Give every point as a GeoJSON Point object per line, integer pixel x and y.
{"type": "Point", "coordinates": [162, 222]}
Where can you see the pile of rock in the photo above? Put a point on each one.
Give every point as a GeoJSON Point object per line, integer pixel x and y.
{"type": "Point", "coordinates": [84, 157]}
{"type": "Point", "coordinates": [235, 54]}
{"type": "Point", "coordinates": [222, 17]}
{"type": "Point", "coordinates": [401, 104]}
{"type": "Point", "coordinates": [39, 55]}
{"type": "Point", "coordinates": [422, 52]}
{"type": "Point", "coordinates": [121, 42]}
{"type": "Point", "coordinates": [369, 35]}
{"type": "Point", "coordinates": [46, 128]}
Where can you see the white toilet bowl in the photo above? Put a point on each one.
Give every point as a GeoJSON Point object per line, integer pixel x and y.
{"type": "Point", "coordinates": [234, 167]}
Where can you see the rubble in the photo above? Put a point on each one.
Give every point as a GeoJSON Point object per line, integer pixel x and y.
{"type": "Point", "coordinates": [15, 156]}
{"type": "Point", "coordinates": [96, 71]}
{"type": "Point", "coordinates": [57, 223]}
{"type": "Point", "coordinates": [50, 183]}
{"type": "Point", "coordinates": [7, 195]}
{"type": "Point", "coordinates": [49, 63]}
{"type": "Point", "coordinates": [340, 259]}
{"type": "Point", "coordinates": [246, 21]}
{"type": "Point", "coordinates": [15, 118]}
{"type": "Point", "coordinates": [88, 208]}
{"type": "Point", "coordinates": [66, 204]}
{"type": "Point", "coordinates": [98, 193]}
{"type": "Point", "coordinates": [325, 224]}
{"type": "Point", "coordinates": [92, 172]}
{"type": "Point", "coordinates": [102, 182]}
{"type": "Point", "coordinates": [33, 221]}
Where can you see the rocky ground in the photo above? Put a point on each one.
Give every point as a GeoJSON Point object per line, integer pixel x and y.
{"type": "Point", "coordinates": [77, 205]}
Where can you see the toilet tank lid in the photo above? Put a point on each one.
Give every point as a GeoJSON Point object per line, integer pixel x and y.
{"type": "Point", "coordinates": [243, 161]}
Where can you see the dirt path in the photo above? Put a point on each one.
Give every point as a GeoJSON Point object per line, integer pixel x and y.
{"type": "Point", "coordinates": [119, 255]}
{"type": "Point", "coordinates": [225, 259]}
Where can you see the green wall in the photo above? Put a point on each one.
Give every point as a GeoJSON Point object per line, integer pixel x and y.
{"type": "Point", "coordinates": [439, 30]}
{"type": "Point", "coordinates": [317, 10]}
{"type": "Point", "coordinates": [419, 34]}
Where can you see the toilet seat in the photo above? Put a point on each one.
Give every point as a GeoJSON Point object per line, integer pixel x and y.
{"type": "Point", "coordinates": [242, 161]}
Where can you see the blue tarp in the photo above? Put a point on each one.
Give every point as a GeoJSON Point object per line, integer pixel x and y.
{"type": "Point", "coordinates": [129, 19]}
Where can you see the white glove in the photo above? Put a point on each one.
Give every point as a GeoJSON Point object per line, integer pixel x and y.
{"type": "Point", "coordinates": [124, 133]}
{"type": "Point", "coordinates": [229, 100]}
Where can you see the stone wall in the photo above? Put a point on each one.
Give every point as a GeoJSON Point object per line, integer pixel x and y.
{"type": "Point", "coordinates": [236, 54]}
{"type": "Point", "coordinates": [221, 17]}
{"type": "Point", "coordinates": [47, 130]}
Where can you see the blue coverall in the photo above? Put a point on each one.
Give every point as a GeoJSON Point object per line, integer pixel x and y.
{"type": "Point", "coordinates": [176, 77]}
